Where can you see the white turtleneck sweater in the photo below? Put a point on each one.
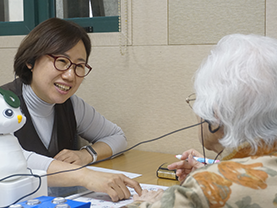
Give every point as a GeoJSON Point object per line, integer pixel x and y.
{"type": "Point", "coordinates": [91, 126]}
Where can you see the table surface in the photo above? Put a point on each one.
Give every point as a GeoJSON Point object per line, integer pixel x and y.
{"type": "Point", "coordinates": [142, 162]}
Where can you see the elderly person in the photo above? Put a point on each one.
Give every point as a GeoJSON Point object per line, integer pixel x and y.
{"type": "Point", "coordinates": [236, 100]}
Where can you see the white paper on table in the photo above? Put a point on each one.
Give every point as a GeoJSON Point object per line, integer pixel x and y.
{"type": "Point", "coordinates": [106, 170]}
{"type": "Point", "coordinates": [102, 200]}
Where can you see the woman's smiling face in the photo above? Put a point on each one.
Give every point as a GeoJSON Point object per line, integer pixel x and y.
{"type": "Point", "coordinates": [53, 86]}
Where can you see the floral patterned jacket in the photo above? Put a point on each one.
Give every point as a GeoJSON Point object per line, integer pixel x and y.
{"type": "Point", "coordinates": [239, 181]}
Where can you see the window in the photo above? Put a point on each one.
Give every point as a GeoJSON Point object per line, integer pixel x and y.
{"type": "Point", "coordinates": [12, 19]}
{"type": "Point", "coordinates": [19, 17]}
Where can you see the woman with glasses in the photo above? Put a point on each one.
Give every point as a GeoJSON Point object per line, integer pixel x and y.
{"type": "Point", "coordinates": [236, 104]}
{"type": "Point", "coordinates": [50, 65]}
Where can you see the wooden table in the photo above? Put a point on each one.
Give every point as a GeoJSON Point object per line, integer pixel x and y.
{"type": "Point", "coordinates": [142, 162]}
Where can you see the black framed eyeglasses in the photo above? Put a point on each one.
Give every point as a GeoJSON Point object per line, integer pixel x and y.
{"type": "Point", "coordinates": [62, 63]}
{"type": "Point", "coordinates": [190, 100]}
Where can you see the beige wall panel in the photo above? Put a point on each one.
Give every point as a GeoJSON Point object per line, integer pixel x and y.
{"type": "Point", "coordinates": [202, 22]}
{"type": "Point", "coordinates": [10, 41]}
{"type": "Point", "coordinates": [271, 18]}
{"type": "Point", "coordinates": [144, 92]}
{"type": "Point", "coordinates": [104, 39]}
{"type": "Point", "coordinates": [6, 69]}
{"type": "Point", "coordinates": [149, 22]}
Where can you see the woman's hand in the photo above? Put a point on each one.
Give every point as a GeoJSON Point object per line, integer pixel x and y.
{"type": "Point", "coordinates": [149, 196]}
{"type": "Point", "coordinates": [82, 157]}
{"type": "Point", "coordinates": [112, 184]}
{"type": "Point", "coordinates": [187, 164]}
{"type": "Point", "coordinates": [115, 185]}
{"type": "Point", "coordinates": [76, 157]}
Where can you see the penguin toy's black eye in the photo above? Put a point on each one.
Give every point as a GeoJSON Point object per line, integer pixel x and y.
{"type": "Point", "coordinates": [8, 113]}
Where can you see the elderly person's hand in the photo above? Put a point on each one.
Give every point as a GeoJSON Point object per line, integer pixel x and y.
{"type": "Point", "coordinates": [187, 164]}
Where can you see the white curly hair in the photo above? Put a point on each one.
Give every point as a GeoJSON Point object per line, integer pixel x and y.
{"type": "Point", "coordinates": [236, 87]}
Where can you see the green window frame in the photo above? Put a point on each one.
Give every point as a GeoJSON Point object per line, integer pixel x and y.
{"type": "Point", "coordinates": [36, 11]}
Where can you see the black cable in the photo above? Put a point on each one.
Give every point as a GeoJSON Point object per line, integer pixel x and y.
{"type": "Point", "coordinates": [218, 155]}
{"type": "Point", "coordinates": [22, 175]}
{"type": "Point", "coordinates": [202, 140]}
{"type": "Point", "coordinates": [39, 185]}
{"type": "Point", "coordinates": [119, 153]}
{"type": "Point", "coordinates": [146, 141]}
